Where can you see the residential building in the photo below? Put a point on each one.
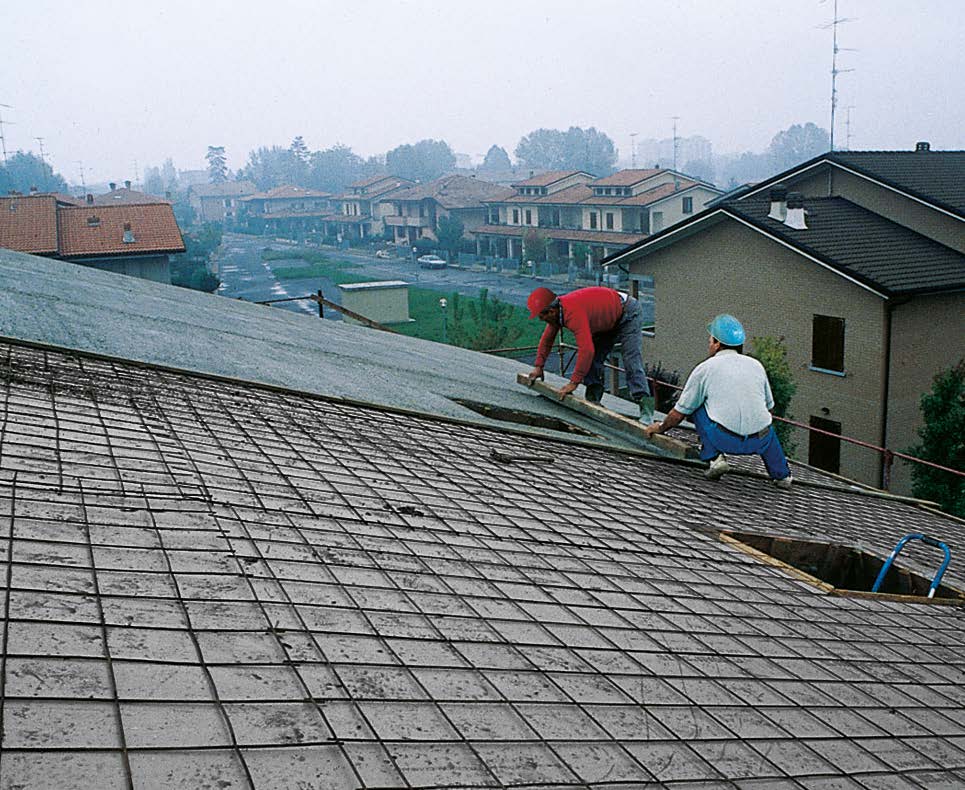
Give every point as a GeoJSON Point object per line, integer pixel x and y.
{"type": "Point", "coordinates": [219, 202]}
{"type": "Point", "coordinates": [246, 551]}
{"type": "Point", "coordinates": [414, 213]}
{"type": "Point", "coordinates": [136, 239]}
{"type": "Point", "coordinates": [360, 210]}
{"type": "Point", "coordinates": [288, 209]}
{"type": "Point", "coordinates": [569, 208]}
{"type": "Point", "coordinates": [863, 276]}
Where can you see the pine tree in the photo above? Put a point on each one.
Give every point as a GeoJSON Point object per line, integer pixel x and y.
{"type": "Point", "coordinates": [217, 164]}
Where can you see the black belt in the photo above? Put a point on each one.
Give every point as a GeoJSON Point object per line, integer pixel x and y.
{"type": "Point", "coordinates": [759, 435]}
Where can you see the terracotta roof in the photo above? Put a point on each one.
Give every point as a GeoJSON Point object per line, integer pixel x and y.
{"type": "Point", "coordinates": [227, 189]}
{"type": "Point", "coordinates": [68, 200]}
{"type": "Point", "coordinates": [563, 234]}
{"type": "Point", "coordinates": [124, 197]}
{"type": "Point", "coordinates": [626, 178]}
{"type": "Point", "coordinates": [319, 212]}
{"type": "Point", "coordinates": [549, 178]}
{"type": "Point", "coordinates": [647, 197]}
{"type": "Point", "coordinates": [29, 223]}
{"type": "Point", "coordinates": [152, 225]}
{"type": "Point", "coordinates": [367, 182]}
{"type": "Point", "coordinates": [287, 192]}
{"type": "Point", "coordinates": [452, 192]}
{"type": "Point", "coordinates": [391, 184]}
{"type": "Point", "coordinates": [569, 196]}
{"type": "Point", "coordinates": [582, 194]}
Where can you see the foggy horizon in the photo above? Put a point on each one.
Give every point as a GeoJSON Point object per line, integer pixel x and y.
{"type": "Point", "coordinates": [108, 85]}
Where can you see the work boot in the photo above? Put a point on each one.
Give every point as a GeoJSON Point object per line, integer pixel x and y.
{"type": "Point", "coordinates": [784, 483]}
{"type": "Point", "coordinates": [717, 469]}
{"type": "Point", "coordinates": [594, 393]}
{"type": "Point", "coordinates": [647, 404]}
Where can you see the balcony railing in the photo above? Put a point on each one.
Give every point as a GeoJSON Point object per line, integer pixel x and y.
{"type": "Point", "coordinates": [406, 222]}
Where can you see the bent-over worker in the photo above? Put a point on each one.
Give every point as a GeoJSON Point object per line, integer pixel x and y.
{"type": "Point", "coordinates": [598, 318]}
{"type": "Point", "coordinates": [729, 400]}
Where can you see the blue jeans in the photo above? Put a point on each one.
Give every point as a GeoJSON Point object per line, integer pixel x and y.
{"type": "Point", "coordinates": [629, 333]}
{"type": "Point", "coordinates": [714, 441]}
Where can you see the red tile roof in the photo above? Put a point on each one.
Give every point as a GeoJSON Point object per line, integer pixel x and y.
{"type": "Point", "coordinates": [564, 234]}
{"type": "Point", "coordinates": [545, 179]}
{"type": "Point", "coordinates": [29, 223]}
{"type": "Point", "coordinates": [123, 197]}
{"type": "Point", "coordinates": [626, 178]}
{"type": "Point", "coordinates": [152, 225]}
{"type": "Point", "coordinates": [452, 192]}
{"type": "Point", "coordinates": [569, 196]}
{"type": "Point", "coordinates": [288, 191]}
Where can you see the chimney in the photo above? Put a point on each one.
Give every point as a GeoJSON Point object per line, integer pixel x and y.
{"type": "Point", "coordinates": [795, 211]}
{"type": "Point", "coordinates": [90, 199]}
{"type": "Point", "coordinates": [923, 146]}
{"type": "Point", "coordinates": [112, 185]}
{"type": "Point", "coordinates": [167, 194]}
{"type": "Point", "coordinates": [34, 190]}
{"type": "Point", "coordinates": [128, 233]}
{"type": "Point", "coordinates": [778, 203]}
{"type": "Point", "coordinates": [127, 185]}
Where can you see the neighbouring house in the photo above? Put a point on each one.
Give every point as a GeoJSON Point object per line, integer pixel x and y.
{"type": "Point", "coordinates": [860, 268]}
{"type": "Point", "coordinates": [288, 210]}
{"type": "Point", "coordinates": [136, 239]}
{"type": "Point", "coordinates": [121, 197]}
{"type": "Point", "coordinates": [360, 210]}
{"type": "Point", "coordinates": [570, 207]}
{"type": "Point", "coordinates": [249, 550]}
{"type": "Point", "coordinates": [414, 213]}
{"type": "Point", "coordinates": [219, 202]}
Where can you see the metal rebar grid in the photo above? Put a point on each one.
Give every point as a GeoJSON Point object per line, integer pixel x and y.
{"type": "Point", "coordinates": [209, 582]}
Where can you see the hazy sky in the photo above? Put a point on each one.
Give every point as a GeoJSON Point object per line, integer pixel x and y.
{"type": "Point", "coordinates": [109, 83]}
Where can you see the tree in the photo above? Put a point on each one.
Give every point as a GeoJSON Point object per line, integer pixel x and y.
{"type": "Point", "coordinates": [497, 160]}
{"type": "Point", "coordinates": [942, 437]}
{"type": "Point", "coordinates": [796, 144]}
{"type": "Point", "coordinates": [535, 245]}
{"type": "Point", "coordinates": [169, 176]}
{"type": "Point", "coordinates": [299, 149]}
{"type": "Point", "coordinates": [485, 323]}
{"type": "Point", "coordinates": [574, 149]}
{"type": "Point", "coordinates": [449, 232]}
{"type": "Point", "coordinates": [217, 164]}
{"type": "Point", "coordinates": [271, 167]}
{"type": "Point", "coordinates": [424, 161]}
{"type": "Point", "coordinates": [700, 169]}
{"type": "Point", "coordinates": [335, 168]}
{"type": "Point", "coordinates": [153, 184]}
{"type": "Point", "coordinates": [25, 171]}
{"type": "Point", "coordinates": [772, 354]}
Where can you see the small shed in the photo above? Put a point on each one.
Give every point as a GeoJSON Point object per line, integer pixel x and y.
{"type": "Point", "coordinates": [385, 301]}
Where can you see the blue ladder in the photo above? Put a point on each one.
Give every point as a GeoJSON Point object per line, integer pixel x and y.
{"type": "Point", "coordinates": [897, 550]}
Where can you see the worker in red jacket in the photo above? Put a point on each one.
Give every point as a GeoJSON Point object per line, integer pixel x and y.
{"type": "Point", "coordinates": [598, 318]}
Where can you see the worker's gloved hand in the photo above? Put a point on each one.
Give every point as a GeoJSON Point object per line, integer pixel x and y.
{"type": "Point", "coordinates": [650, 430]}
{"type": "Point", "coordinates": [567, 388]}
{"type": "Point", "coordinates": [535, 373]}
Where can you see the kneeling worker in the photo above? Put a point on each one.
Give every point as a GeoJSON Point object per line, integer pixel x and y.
{"type": "Point", "coordinates": [729, 400]}
{"type": "Point", "coordinates": [598, 318]}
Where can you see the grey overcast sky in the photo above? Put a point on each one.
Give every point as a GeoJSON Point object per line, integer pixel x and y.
{"type": "Point", "coordinates": [110, 82]}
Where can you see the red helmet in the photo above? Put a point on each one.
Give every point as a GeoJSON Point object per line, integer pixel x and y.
{"type": "Point", "coordinates": [539, 300]}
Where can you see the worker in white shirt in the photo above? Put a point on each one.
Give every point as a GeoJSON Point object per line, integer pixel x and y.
{"type": "Point", "coordinates": [728, 398]}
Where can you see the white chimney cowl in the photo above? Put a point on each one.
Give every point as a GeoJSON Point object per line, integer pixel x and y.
{"type": "Point", "coordinates": [778, 210]}
{"type": "Point", "coordinates": [795, 212]}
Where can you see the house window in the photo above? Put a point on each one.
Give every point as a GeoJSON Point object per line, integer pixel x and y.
{"type": "Point", "coordinates": [827, 343]}
{"type": "Point", "coordinates": [609, 220]}
{"type": "Point", "coordinates": [529, 217]}
{"type": "Point", "coordinates": [592, 220]}
{"type": "Point", "coordinates": [494, 216]}
{"type": "Point", "coordinates": [656, 221]}
{"type": "Point", "coordinates": [555, 218]}
{"type": "Point", "coordinates": [688, 205]}
{"type": "Point", "coordinates": [515, 216]}
{"type": "Point", "coordinates": [824, 452]}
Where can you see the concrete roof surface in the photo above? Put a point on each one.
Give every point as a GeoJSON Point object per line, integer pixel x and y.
{"type": "Point", "coordinates": [214, 584]}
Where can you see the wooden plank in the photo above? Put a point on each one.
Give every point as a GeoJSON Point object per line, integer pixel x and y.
{"type": "Point", "coordinates": [595, 411]}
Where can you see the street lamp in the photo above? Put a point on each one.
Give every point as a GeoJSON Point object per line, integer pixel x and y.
{"type": "Point", "coordinates": [442, 305]}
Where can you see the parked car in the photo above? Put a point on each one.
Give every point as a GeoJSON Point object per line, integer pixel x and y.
{"type": "Point", "coordinates": [383, 254]}
{"type": "Point", "coordinates": [431, 262]}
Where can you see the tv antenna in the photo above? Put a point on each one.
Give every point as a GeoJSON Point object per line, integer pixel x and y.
{"type": "Point", "coordinates": [675, 118]}
{"type": "Point", "coordinates": [835, 71]}
{"type": "Point", "coordinates": [633, 149]}
{"type": "Point", "coordinates": [3, 141]}
{"type": "Point", "coordinates": [80, 166]}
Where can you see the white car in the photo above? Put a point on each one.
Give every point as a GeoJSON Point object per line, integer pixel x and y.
{"type": "Point", "coordinates": [431, 262]}
{"type": "Point", "coordinates": [383, 254]}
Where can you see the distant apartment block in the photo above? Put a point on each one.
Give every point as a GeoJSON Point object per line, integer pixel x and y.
{"type": "Point", "coordinates": [285, 210]}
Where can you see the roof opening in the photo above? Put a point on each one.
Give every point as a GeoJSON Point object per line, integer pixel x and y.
{"type": "Point", "coordinates": [843, 570]}
{"type": "Point", "coordinates": [93, 221]}
{"type": "Point", "coordinates": [522, 417]}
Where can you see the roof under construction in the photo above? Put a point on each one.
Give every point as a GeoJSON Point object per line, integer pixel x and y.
{"type": "Point", "coordinates": [213, 582]}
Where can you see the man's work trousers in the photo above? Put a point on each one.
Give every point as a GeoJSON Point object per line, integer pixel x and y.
{"type": "Point", "coordinates": [629, 333]}
{"type": "Point", "coordinates": [715, 441]}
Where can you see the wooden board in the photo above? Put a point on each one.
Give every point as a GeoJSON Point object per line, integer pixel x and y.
{"type": "Point", "coordinates": [595, 411]}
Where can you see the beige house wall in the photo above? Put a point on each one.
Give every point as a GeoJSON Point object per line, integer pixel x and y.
{"type": "Point", "coordinates": [774, 291]}
{"type": "Point", "coordinates": [386, 303]}
{"type": "Point", "coordinates": [926, 337]}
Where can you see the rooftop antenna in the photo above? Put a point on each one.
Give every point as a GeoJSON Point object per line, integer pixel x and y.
{"type": "Point", "coordinates": [80, 165]}
{"type": "Point", "coordinates": [835, 71]}
{"type": "Point", "coordinates": [675, 119]}
{"type": "Point", "coordinates": [3, 142]}
{"type": "Point", "coordinates": [137, 176]}
{"type": "Point", "coordinates": [847, 126]}
{"type": "Point", "coordinates": [633, 149]}
{"type": "Point", "coordinates": [43, 159]}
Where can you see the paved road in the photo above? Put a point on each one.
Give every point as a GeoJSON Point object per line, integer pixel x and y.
{"type": "Point", "coordinates": [245, 275]}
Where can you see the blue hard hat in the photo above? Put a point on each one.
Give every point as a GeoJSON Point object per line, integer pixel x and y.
{"type": "Point", "coordinates": [727, 330]}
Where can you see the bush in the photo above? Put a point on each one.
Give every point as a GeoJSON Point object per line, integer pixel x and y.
{"type": "Point", "coordinates": [772, 354]}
